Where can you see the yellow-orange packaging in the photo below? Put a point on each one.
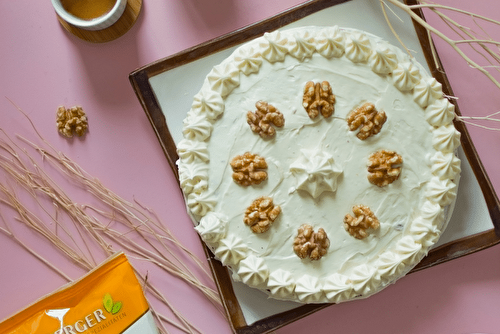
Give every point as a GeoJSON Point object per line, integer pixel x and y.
{"type": "Point", "coordinates": [108, 300]}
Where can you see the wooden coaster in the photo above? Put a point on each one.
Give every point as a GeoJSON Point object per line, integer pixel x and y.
{"type": "Point", "coordinates": [120, 27]}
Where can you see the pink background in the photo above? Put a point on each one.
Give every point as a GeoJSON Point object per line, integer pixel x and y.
{"type": "Point", "coordinates": [42, 67]}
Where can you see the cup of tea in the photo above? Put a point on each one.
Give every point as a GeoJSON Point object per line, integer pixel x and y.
{"type": "Point", "coordinates": [90, 14]}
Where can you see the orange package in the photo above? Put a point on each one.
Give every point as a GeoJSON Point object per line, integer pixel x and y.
{"type": "Point", "coordinates": [108, 300]}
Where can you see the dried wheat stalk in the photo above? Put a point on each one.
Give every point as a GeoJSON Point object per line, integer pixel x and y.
{"type": "Point", "coordinates": [480, 42]}
{"type": "Point", "coordinates": [126, 222]}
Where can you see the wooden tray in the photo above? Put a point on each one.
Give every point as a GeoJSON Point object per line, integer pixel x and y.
{"type": "Point", "coordinates": [140, 80]}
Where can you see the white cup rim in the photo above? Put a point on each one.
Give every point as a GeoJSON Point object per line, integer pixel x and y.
{"type": "Point", "coordinates": [98, 23]}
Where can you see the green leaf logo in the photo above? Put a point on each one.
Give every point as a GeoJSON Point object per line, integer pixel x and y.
{"type": "Point", "coordinates": [110, 306]}
{"type": "Point", "coordinates": [116, 308]}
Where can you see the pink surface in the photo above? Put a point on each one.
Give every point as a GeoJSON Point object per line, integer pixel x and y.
{"type": "Point", "coordinates": [42, 67]}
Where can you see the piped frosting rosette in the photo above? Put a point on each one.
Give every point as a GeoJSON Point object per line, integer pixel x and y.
{"type": "Point", "coordinates": [413, 211]}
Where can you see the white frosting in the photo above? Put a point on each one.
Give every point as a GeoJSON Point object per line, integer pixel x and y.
{"type": "Point", "coordinates": [274, 46]}
{"type": "Point", "coordinates": [303, 46]}
{"type": "Point", "coordinates": [193, 178]}
{"type": "Point", "coordinates": [317, 168]}
{"type": "Point", "coordinates": [281, 284]}
{"type": "Point", "coordinates": [440, 113]}
{"type": "Point", "coordinates": [406, 76]}
{"type": "Point", "coordinates": [446, 138]}
{"type": "Point", "coordinates": [208, 103]}
{"type": "Point", "coordinates": [424, 232]}
{"type": "Point", "coordinates": [224, 78]}
{"type": "Point", "coordinates": [196, 127]}
{"type": "Point", "coordinates": [337, 288]}
{"type": "Point", "coordinates": [315, 172]}
{"type": "Point", "coordinates": [427, 91]}
{"type": "Point", "coordinates": [383, 60]}
{"type": "Point", "coordinates": [390, 265]}
{"type": "Point", "coordinates": [330, 42]}
{"type": "Point", "coordinates": [253, 271]}
{"type": "Point", "coordinates": [445, 165]}
{"type": "Point", "coordinates": [409, 250]}
{"type": "Point", "coordinates": [308, 289]}
{"type": "Point", "coordinates": [190, 150]}
{"type": "Point", "coordinates": [200, 204]}
{"type": "Point", "coordinates": [248, 60]}
{"type": "Point", "coordinates": [433, 213]}
{"type": "Point", "coordinates": [212, 227]}
{"type": "Point", "coordinates": [231, 250]}
{"type": "Point", "coordinates": [364, 279]}
{"type": "Point", "coordinates": [357, 47]}
{"type": "Point", "coordinates": [442, 192]}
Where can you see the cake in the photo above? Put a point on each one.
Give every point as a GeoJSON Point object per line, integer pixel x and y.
{"type": "Point", "coordinates": [319, 163]}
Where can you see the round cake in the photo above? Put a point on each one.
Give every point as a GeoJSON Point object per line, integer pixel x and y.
{"type": "Point", "coordinates": [319, 163]}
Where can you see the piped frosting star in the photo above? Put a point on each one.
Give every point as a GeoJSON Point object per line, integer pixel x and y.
{"type": "Point", "coordinates": [315, 172]}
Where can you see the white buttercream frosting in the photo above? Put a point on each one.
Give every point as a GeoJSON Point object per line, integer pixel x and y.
{"type": "Point", "coordinates": [364, 279]}
{"type": "Point", "coordinates": [304, 45]}
{"type": "Point", "coordinates": [248, 60]}
{"type": "Point", "coordinates": [409, 250]}
{"type": "Point", "coordinates": [196, 127]}
{"type": "Point", "coordinates": [212, 227]}
{"type": "Point", "coordinates": [253, 271]}
{"type": "Point", "coordinates": [427, 91]}
{"type": "Point", "coordinates": [190, 150]}
{"type": "Point", "coordinates": [231, 250]}
{"type": "Point", "coordinates": [390, 265]}
{"type": "Point", "coordinates": [445, 165]}
{"type": "Point", "coordinates": [330, 42]}
{"type": "Point", "coordinates": [274, 46]}
{"type": "Point", "coordinates": [442, 192]}
{"type": "Point", "coordinates": [209, 103]}
{"type": "Point", "coordinates": [308, 289]}
{"type": "Point", "coordinates": [193, 178]}
{"type": "Point", "coordinates": [223, 78]}
{"type": "Point", "coordinates": [383, 60]}
{"type": "Point", "coordinates": [281, 284]}
{"type": "Point", "coordinates": [440, 112]}
{"type": "Point", "coordinates": [357, 47]}
{"type": "Point", "coordinates": [406, 76]}
{"type": "Point", "coordinates": [446, 138]}
{"type": "Point", "coordinates": [338, 288]}
{"type": "Point", "coordinates": [433, 213]}
{"type": "Point", "coordinates": [317, 168]}
{"type": "Point", "coordinates": [424, 232]}
{"type": "Point", "coordinates": [200, 204]}
{"type": "Point", "coordinates": [315, 172]}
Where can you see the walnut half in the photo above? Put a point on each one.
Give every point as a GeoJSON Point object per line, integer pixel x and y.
{"type": "Point", "coordinates": [384, 167]}
{"type": "Point", "coordinates": [309, 243]}
{"type": "Point", "coordinates": [261, 214]}
{"type": "Point", "coordinates": [363, 219]}
{"type": "Point", "coordinates": [318, 98]}
{"type": "Point", "coordinates": [368, 118]}
{"type": "Point", "coordinates": [248, 169]}
{"type": "Point", "coordinates": [71, 120]}
{"type": "Point", "coordinates": [261, 120]}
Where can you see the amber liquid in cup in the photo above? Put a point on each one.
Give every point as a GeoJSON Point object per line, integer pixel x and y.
{"type": "Point", "coordinates": [88, 9]}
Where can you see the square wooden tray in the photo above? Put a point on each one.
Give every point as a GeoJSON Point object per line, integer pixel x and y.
{"type": "Point", "coordinates": [140, 80]}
